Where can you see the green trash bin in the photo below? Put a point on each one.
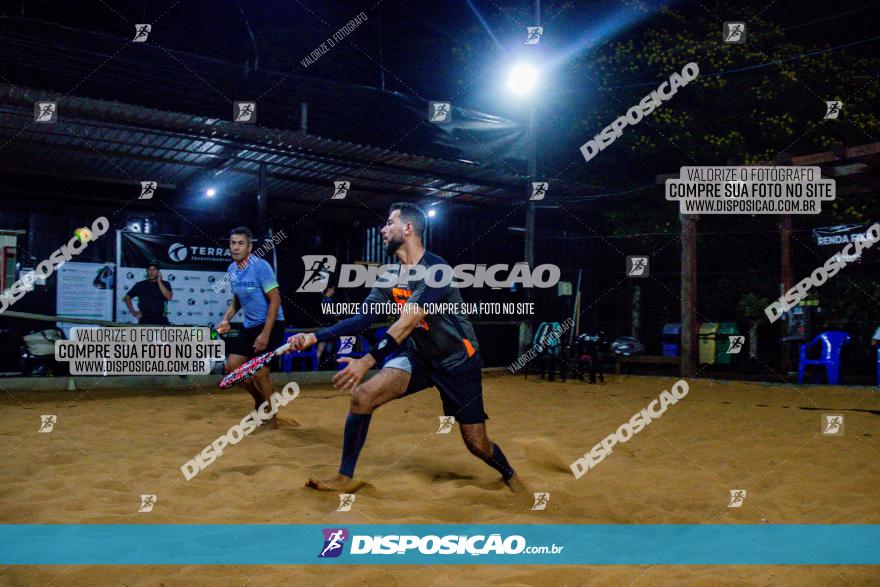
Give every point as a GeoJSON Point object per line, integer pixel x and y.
{"type": "Point", "coordinates": [708, 343]}
{"type": "Point", "coordinates": [724, 345]}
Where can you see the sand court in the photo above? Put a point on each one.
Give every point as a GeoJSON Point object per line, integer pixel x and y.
{"type": "Point", "coordinates": [107, 448]}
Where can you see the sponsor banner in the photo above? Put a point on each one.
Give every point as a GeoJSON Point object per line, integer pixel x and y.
{"type": "Point", "coordinates": [843, 234]}
{"type": "Point", "coordinates": [195, 267]}
{"type": "Point", "coordinates": [196, 300]}
{"type": "Point", "coordinates": [612, 544]}
{"type": "Point", "coordinates": [832, 236]}
{"type": "Point", "coordinates": [850, 253]}
{"type": "Point", "coordinates": [175, 252]}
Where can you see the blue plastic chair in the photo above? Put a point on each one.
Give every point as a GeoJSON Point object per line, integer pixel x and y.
{"type": "Point", "coordinates": [361, 348]}
{"type": "Point", "coordinates": [832, 342]}
{"type": "Point", "coordinates": [310, 354]}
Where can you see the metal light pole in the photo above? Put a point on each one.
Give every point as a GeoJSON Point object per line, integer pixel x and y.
{"type": "Point", "coordinates": [525, 327]}
{"type": "Point", "coordinates": [532, 140]}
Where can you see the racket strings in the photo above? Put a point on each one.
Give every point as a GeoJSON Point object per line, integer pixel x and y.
{"type": "Point", "coordinates": [245, 370]}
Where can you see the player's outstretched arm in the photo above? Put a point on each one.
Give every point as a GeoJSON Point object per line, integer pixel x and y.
{"type": "Point", "coordinates": [354, 325]}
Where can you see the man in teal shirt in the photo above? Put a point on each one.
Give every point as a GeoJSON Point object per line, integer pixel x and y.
{"type": "Point", "coordinates": [255, 292]}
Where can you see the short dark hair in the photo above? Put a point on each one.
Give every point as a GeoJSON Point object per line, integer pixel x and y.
{"type": "Point", "coordinates": [411, 213]}
{"type": "Point", "coordinates": [153, 263]}
{"type": "Point", "coordinates": [242, 230]}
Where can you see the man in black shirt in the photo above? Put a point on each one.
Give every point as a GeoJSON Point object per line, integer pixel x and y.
{"type": "Point", "coordinates": [152, 294]}
{"type": "Point", "coordinates": [433, 350]}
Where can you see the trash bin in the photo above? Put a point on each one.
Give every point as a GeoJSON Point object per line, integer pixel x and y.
{"type": "Point", "coordinates": [723, 346]}
{"type": "Point", "coordinates": [708, 346]}
{"type": "Point", "coordinates": [672, 339]}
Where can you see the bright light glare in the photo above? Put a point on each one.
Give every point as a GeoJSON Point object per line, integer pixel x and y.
{"type": "Point", "coordinates": [432, 213]}
{"type": "Point", "coordinates": [522, 79]}
{"type": "Point", "coordinates": [210, 192]}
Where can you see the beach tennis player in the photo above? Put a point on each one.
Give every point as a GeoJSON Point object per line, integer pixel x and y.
{"type": "Point", "coordinates": [433, 350]}
{"type": "Point", "coordinates": [255, 292]}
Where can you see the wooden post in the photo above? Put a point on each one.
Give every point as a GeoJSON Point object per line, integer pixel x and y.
{"type": "Point", "coordinates": [787, 282]}
{"type": "Point", "coordinates": [689, 322]}
{"type": "Point", "coordinates": [786, 276]}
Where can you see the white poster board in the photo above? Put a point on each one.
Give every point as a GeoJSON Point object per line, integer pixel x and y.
{"type": "Point", "coordinates": [85, 290]}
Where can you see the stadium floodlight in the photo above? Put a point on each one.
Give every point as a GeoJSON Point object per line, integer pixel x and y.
{"type": "Point", "coordinates": [522, 79]}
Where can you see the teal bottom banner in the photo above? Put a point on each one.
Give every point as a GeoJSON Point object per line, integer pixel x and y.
{"type": "Point", "coordinates": [289, 544]}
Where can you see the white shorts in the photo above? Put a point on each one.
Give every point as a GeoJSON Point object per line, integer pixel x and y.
{"type": "Point", "coordinates": [399, 362]}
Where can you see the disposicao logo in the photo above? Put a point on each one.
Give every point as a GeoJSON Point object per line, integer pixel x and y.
{"type": "Point", "coordinates": [334, 541]}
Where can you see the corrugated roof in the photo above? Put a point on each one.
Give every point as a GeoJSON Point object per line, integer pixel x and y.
{"type": "Point", "coordinates": [112, 141]}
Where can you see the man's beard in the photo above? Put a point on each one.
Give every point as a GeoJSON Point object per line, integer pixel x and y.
{"type": "Point", "coordinates": [393, 245]}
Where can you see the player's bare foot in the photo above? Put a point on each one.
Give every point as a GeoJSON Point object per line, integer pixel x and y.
{"type": "Point", "coordinates": [337, 483]}
{"type": "Point", "coordinates": [270, 424]}
{"type": "Point", "coordinates": [516, 485]}
{"type": "Point", "coordinates": [264, 425]}
{"type": "Point", "coordinates": [288, 422]}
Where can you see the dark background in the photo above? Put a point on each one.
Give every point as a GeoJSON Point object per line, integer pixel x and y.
{"type": "Point", "coordinates": [751, 103]}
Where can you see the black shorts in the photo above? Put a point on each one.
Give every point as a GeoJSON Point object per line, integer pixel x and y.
{"type": "Point", "coordinates": [154, 320]}
{"type": "Point", "coordinates": [461, 391]}
{"type": "Point", "coordinates": [243, 344]}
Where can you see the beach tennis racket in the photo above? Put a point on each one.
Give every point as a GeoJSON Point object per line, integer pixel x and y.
{"type": "Point", "coordinates": [247, 370]}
